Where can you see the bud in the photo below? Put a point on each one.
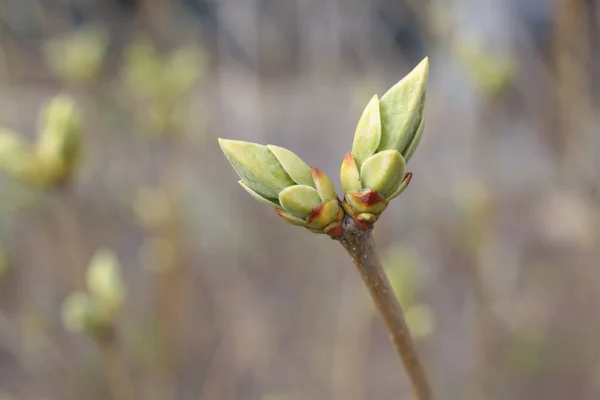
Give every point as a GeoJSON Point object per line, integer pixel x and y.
{"type": "Point", "coordinates": [104, 282]}
{"type": "Point", "coordinates": [183, 68]}
{"type": "Point", "coordinates": [386, 137]}
{"type": "Point", "coordinates": [77, 58]}
{"type": "Point", "coordinates": [383, 172]}
{"type": "Point", "coordinates": [401, 110]}
{"type": "Point", "coordinates": [18, 161]}
{"type": "Point", "coordinates": [59, 145]}
{"type": "Point", "coordinates": [78, 313]}
{"type": "Point", "coordinates": [93, 312]}
{"type": "Point", "coordinates": [300, 195]}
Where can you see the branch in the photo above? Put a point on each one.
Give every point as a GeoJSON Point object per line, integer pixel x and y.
{"type": "Point", "coordinates": [360, 245]}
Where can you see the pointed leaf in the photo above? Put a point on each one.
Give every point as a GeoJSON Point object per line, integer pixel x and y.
{"type": "Point", "coordinates": [289, 218]}
{"type": "Point", "coordinates": [401, 109]}
{"type": "Point", "coordinates": [367, 217]}
{"type": "Point", "coordinates": [368, 132]}
{"type": "Point", "coordinates": [383, 172]}
{"type": "Point", "coordinates": [103, 280]}
{"type": "Point", "coordinates": [323, 184]}
{"type": "Point", "coordinates": [293, 165]}
{"type": "Point", "coordinates": [349, 175]}
{"type": "Point", "coordinates": [257, 166]}
{"type": "Point", "coordinates": [299, 200]}
{"type": "Point", "coordinates": [410, 150]}
{"type": "Point", "coordinates": [402, 186]}
{"type": "Point", "coordinates": [269, 202]}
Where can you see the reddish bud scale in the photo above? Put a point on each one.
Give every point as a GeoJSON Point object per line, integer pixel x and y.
{"type": "Point", "coordinates": [369, 198]}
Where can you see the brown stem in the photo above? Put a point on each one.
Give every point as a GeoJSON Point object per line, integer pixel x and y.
{"type": "Point", "coordinates": [119, 380]}
{"type": "Point", "coordinates": [360, 245]}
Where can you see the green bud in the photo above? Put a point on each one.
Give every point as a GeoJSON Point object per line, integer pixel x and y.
{"type": "Point", "coordinates": [104, 282]}
{"type": "Point", "coordinates": [59, 145]}
{"type": "Point", "coordinates": [299, 194]}
{"type": "Point", "coordinates": [79, 56]}
{"type": "Point", "coordinates": [257, 166]}
{"type": "Point", "coordinates": [349, 175]}
{"type": "Point", "coordinates": [258, 197]}
{"type": "Point", "coordinates": [299, 200]}
{"type": "Point", "coordinates": [401, 110]}
{"type": "Point", "coordinates": [383, 172]}
{"type": "Point", "coordinates": [386, 137]}
{"type": "Point", "coordinates": [323, 214]}
{"type": "Point", "coordinates": [364, 207]}
{"type": "Point", "coordinates": [290, 219]}
{"type": "Point", "coordinates": [293, 165]}
{"type": "Point", "coordinates": [368, 201]}
{"type": "Point", "coordinates": [413, 145]}
{"type": "Point", "coordinates": [18, 161]}
{"type": "Point", "coordinates": [78, 313]}
{"type": "Point", "coordinates": [368, 133]}
{"type": "Point", "coordinates": [323, 184]}
{"type": "Point", "coordinates": [403, 185]}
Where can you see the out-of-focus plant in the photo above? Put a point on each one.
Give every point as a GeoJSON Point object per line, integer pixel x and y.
{"type": "Point", "coordinates": [77, 57]}
{"type": "Point", "coordinates": [401, 266]}
{"type": "Point", "coordinates": [273, 396]}
{"type": "Point", "coordinates": [161, 82]}
{"type": "Point", "coordinates": [94, 311]}
{"type": "Point", "coordinates": [155, 212]}
{"type": "Point", "coordinates": [491, 73]}
{"type": "Point", "coordinates": [374, 173]}
{"type": "Point", "coordinates": [475, 206]}
{"type": "Point", "coordinates": [152, 207]}
{"type": "Point", "coordinates": [57, 153]}
{"type": "Point", "coordinates": [4, 262]}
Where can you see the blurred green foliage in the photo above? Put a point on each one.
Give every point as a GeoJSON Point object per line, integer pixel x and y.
{"type": "Point", "coordinates": [77, 57]}
{"type": "Point", "coordinates": [4, 262]}
{"type": "Point", "coordinates": [56, 153]}
{"type": "Point", "coordinates": [401, 265]}
{"type": "Point", "coordinates": [93, 312]}
{"type": "Point", "coordinates": [161, 81]}
{"type": "Point", "coordinates": [489, 72]}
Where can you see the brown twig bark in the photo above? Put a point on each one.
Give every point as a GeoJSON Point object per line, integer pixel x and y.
{"type": "Point", "coordinates": [360, 245]}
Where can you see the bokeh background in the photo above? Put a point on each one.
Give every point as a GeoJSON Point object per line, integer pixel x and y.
{"type": "Point", "coordinates": [494, 250]}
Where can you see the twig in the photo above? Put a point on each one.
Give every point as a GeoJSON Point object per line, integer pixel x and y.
{"type": "Point", "coordinates": [360, 245]}
{"type": "Point", "coordinates": [120, 383]}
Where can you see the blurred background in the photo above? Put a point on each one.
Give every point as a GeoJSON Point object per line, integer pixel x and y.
{"type": "Point", "coordinates": [493, 251]}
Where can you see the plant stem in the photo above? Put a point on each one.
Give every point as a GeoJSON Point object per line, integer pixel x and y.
{"type": "Point", "coordinates": [360, 245]}
{"type": "Point", "coordinates": [119, 380]}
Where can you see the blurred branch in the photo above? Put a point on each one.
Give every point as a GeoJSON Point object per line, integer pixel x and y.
{"type": "Point", "coordinates": [351, 342]}
{"type": "Point", "coordinates": [360, 246]}
{"type": "Point", "coordinates": [120, 382]}
{"type": "Point", "coordinates": [571, 52]}
{"type": "Point", "coordinates": [71, 236]}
